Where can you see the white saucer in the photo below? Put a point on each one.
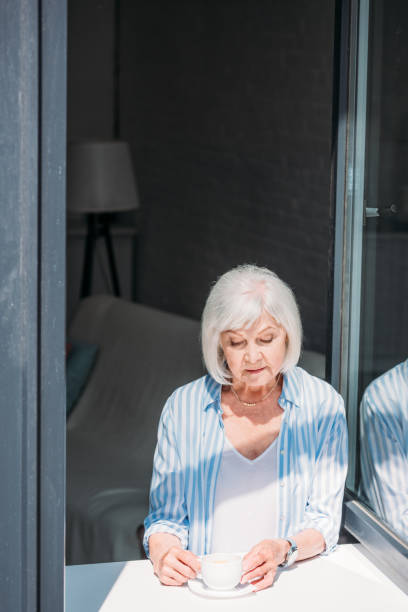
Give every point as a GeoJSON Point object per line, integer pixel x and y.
{"type": "Point", "coordinates": [198, 587]}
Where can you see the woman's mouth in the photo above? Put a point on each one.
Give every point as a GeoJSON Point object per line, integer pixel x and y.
{"type": "Point", "coordinates": [255, 371]}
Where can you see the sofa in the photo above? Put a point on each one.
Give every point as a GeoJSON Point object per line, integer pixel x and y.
{"type": "Point", "coordinates": [143, 354]}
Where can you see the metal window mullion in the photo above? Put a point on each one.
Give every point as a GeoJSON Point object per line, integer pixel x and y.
{"type": "Point", "coordinates": [18, 305]}
{"type": "Point", "coordinates": [344, 196]}
{"type": "Point", "coordinates": [356, 238]}
{"type": "Point", "coordinates": [52, 413]}
{"type": "Point", "coordinates": [340, 135]}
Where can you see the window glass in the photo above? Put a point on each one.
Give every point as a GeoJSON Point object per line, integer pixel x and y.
{"type": "Point", "coordinates": [381, 467]}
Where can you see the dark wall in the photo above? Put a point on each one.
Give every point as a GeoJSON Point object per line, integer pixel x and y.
{"type": "Point", "coordinates": [90, 93]}
{"type": "Point", "coordinates": [227, 106]}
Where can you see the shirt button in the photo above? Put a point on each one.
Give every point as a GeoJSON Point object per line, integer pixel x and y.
{"type": "Point", "coordinates": [282, 452]}
{"type": "Point", "coordinates": [282, 484]}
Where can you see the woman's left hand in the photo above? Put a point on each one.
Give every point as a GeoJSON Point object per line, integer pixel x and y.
{"type": "Point", "coordinates": [262, 561]}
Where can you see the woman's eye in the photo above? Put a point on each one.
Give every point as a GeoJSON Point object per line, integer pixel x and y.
{"type": "Point", "coordinates": [267, 340]}
{"type": "Point", "coordinates": [236, 342]}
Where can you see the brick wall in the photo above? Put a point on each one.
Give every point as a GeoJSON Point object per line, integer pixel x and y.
{"type": "Point", "coordinates": [227, 105]}
{"type": "Point", "coordinates": [90, 91]}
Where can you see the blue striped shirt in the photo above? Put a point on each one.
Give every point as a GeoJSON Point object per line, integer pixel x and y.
{"type": "Point", "coordinates": [384, 446]}
{"type": "Point", "coordinates": [312, 461]}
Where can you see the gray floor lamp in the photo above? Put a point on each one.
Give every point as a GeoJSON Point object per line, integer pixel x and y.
{"type": "Point", "coordinates": [100, 182]}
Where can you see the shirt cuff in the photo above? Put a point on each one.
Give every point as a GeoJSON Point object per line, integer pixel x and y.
{"type": "Point", "coordinates": [329, 536]}
{"type": "Point", "coordinates": [165, 527]}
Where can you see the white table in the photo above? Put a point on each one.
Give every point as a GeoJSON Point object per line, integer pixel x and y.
{"type": "Point", "coordinates": [344, 581]}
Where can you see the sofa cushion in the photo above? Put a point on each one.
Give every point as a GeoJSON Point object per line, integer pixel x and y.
{"type": "Point", "coordinates": [80, 361]}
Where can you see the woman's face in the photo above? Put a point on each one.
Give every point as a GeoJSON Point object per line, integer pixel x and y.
{"type": "Point", "coordinates": [255, 355]}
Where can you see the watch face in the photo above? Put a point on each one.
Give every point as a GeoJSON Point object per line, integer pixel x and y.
{"type": "Point", "coordinates": [292, 555]}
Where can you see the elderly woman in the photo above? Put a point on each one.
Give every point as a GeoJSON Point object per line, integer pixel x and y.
{"type": "Point", "coordinates": [252, 457]}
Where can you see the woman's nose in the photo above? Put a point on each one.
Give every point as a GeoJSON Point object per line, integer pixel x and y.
{"type": "Point", "coordinates": [252, 353]}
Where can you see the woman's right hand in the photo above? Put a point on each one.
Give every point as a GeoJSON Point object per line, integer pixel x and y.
{"type": "Point", "coordinates": [171, 563]}
{"type": "Point", "coordinates": [177, 566]}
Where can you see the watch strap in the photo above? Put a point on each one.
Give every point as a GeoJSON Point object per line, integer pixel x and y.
{"type": "Point", "coordinates": [291, 554]}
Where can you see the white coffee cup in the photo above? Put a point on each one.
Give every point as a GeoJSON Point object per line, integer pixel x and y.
{"type": "Point", "coordinates": [221, 571]}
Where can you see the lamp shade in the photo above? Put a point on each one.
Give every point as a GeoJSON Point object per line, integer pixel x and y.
{"type": "Point", "coordinates": [100, 177]}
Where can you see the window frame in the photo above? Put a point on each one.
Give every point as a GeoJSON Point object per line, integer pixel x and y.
{"type": "Point", "coordinates": [377, 541]}
{"type": "Point", "coordinates": [33, 429]}
{"type": "Point", "coordinates": [32, 325]}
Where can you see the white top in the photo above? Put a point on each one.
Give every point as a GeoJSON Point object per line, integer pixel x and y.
{"type": "Point", "coordinates": [245, 506]}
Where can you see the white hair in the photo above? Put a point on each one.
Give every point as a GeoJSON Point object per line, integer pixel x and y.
{"type": "Point", "coordinates": [236, 301]}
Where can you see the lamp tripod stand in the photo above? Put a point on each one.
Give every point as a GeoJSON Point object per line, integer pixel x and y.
{"type": "Point", "coordinates": [98, 226]}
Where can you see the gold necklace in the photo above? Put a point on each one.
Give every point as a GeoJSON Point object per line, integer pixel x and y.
{"type": "Point", "coordinates": [259, 401]}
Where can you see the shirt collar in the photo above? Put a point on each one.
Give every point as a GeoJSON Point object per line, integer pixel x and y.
{"type": "Point", "coordinates": [292, 390]}
{"type": "Point", "coordinates": [212, 392]}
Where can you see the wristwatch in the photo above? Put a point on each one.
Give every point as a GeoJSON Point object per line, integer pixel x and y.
{"type": "Point", "coordinates": [292, 553]}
